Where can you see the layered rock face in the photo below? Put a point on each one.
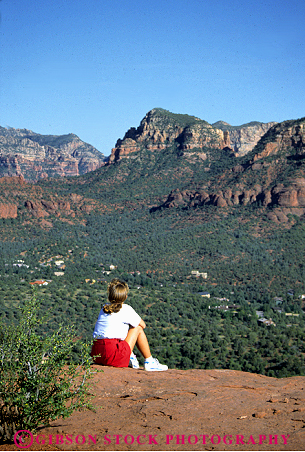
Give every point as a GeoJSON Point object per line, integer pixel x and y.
{"type": "Point", "coordinates": [276, 161]}
{"type": "Point", "coordinates": [34, 156]}
{"type": "Point", "coordinates": [242, 139]}
{"type": "Point", "coordinates": [160, 129]}
{"type": "Point", "coordinates": [283, 137]}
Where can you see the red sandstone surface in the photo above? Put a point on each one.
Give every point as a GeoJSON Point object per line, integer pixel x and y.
{"type": "Point", "coordinates": [138, 410]}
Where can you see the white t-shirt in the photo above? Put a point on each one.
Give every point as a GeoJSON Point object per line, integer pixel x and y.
{"type": "Point", "coordinates": [116, 324]}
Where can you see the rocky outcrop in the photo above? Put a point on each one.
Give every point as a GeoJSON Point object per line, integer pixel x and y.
{"type": "Point", "coordinates": [291, 196]}
{"type": "Point", "coordinates": [287, 137]}
{"type": "Point", "coordinates": [69, 207]}
{"type": "Point", "coordinates": [242, 139]}
{"type": "Point", "coordinates": [160, 129]}
{"type": "Point", "coordinates": [42, 208]}
{"type": "Point", "coordinates": [19, 198]}
{"type": "Point", "coordinates": [201, 135]}
{"type": "Point", "coordinates": [273, 177]}
{"type": "Point", "coordinates": [183, 410]}
{"type": "Point", "coordinates": [279, 195]}
{"type": "Point", "coordinates": [8, 209]}
{"type": "Point", "coordinates": [34, 156]}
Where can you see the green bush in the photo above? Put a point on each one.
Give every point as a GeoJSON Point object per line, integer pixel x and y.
{"type": "Point", "coordinates": [38, 380]}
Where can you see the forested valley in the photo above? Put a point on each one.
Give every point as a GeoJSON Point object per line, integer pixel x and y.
{"type": "Point", "coordinates": [248, 274]}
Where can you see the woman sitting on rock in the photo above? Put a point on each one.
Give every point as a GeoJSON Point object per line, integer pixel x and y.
{"type": "Point", "coordinates": [117, 330]}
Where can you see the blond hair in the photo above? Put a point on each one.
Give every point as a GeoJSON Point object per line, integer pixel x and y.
{"type": "Point", "coordinates": [117, 294]}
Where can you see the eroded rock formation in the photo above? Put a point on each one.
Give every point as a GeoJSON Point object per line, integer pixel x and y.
{"type": "Point", "coordinates": [34, 156]}
{"type": "Point", "coordinates": [242, 139]}
{"type": "Point", "coordinates": [288, 136]}
{"type": "Point", "coordinates": [273, 177]}
{"type": "Point", "coordinates": [21, 198]}
{"type": "Point", "coordinates": [160, 129]}
{"type": "Point", "coordinates": [279, 195]}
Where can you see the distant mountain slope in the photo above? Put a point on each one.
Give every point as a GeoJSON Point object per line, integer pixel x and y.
{"type": "Point", "coordinates": [242, 139]}
{"type": "Point", "coordinates": [169, 161]}
{"type": "Point", "coordinates": [271, 175]}
{"type": "Point", "coordinates": [34, 156]}
{"type": "Point", "coordinates": [160, 129]}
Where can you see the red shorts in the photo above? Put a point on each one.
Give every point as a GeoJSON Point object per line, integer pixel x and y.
{"type": "Point", "coordinates": [111, 352]}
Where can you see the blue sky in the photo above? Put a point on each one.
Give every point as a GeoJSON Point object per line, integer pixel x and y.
{"type": "Point", "coordinates": [95, 68]}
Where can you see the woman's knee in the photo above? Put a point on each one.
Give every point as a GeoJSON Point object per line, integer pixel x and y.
{"type": "Point", "coordinates": [133, 335]}
{"type": "Point", "coordinates": [135, 329]}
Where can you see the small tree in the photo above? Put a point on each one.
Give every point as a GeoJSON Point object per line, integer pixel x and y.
{"type": "Point", "coordinates": [38, 380]}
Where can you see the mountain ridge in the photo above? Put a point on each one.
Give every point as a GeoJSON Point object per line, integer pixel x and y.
{"type": "Point", "coordinates": [184, 153]}
{"type": "Point", "coordinates": [161, 128]}
{"type": "Point", "coordinates": [271, 174]}
{"type": "Point", "coordinates": [34, 156]}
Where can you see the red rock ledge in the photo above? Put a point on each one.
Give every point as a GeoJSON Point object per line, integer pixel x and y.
{"type": "Point", "coordinates": [184, 410]}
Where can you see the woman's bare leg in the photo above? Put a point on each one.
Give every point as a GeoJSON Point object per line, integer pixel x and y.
{"type": "Point", "coordinates": [136, 336]}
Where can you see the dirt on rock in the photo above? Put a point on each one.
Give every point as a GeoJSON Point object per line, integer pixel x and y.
{"type": "Point", "coordinates": [183, 410]}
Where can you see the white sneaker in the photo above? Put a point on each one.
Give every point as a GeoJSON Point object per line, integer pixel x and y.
{"type": "Point", "coordinates": [133, 362]}
{"type": "Point", "coordinates": [154, 365]}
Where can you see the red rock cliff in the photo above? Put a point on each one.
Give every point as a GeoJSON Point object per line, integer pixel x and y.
{"type": "Point", "coordinates": [34, 156]}
{"type": "Point", "coordinates": [242, 139]}
{"type": "Point", "coordinates": [160, 129]}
